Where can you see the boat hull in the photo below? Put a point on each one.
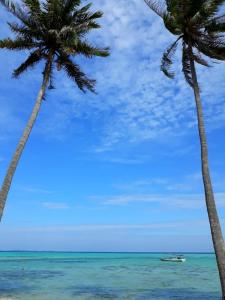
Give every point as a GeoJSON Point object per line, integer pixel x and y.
{"type": "Point", "coordinates": [173, 259]}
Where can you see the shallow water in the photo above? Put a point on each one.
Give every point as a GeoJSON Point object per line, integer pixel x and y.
{"type": "Point", "coordinates": [98, 276]}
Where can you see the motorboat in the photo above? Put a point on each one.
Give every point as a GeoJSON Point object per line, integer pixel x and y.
{"type": "Point", "coordinates": [178, 258]}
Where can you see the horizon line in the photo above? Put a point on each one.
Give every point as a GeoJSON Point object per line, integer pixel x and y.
{"type": "Point", "coordinates": [131, 252]}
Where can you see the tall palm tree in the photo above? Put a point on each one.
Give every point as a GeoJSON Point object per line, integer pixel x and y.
{"type": "Point", "coordinates": [197, 26]}
{"type": "Point", "coordinates": [54, 32]}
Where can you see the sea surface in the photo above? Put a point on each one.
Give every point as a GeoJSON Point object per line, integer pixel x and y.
{"type": "Point", "coordinates": [98, 276]}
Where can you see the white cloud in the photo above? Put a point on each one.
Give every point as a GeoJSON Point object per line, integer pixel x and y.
{"type": "Point", "coordinates": [139, 103]}
{"type": "Point", "coordinates": [135, 101]}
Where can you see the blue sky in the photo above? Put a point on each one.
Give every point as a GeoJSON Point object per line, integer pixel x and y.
{"type": "Point", "coordinates": [117, 171]}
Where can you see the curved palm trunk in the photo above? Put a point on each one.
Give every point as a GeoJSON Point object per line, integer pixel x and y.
{"type": "Point", "coordinates": [216, 231]}
{"type": "Point", "coordinates": [20, 147]}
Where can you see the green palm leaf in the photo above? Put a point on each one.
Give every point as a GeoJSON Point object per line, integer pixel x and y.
{"type": "Point", "coordinates": [167, 59]}
{"type": "Point", "coordinates": [34, 58]}
{"type": "Point", "coordinates": [74, 72]}
{"type": "Point", "coordinates": [51, 28]}
{"type": "Point", "coordinates": [198, 24]}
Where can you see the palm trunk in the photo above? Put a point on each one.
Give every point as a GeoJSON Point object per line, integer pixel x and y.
{"type": "Point", "coordinates": [216, 232]}
{"type": "Point", "coordinates": [23, 140]}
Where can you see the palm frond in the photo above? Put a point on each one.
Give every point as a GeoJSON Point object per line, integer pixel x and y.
{"type": "Point", "coordinates": [171, 24]}
{"type": "Point", "coordinates": [24, 31]}
{"type": "Point", "coordinates": [200, 60]}
{"type": "Point", "coordinates": [9, 5]}
{"type": "Point", "coordinates": [17, 11]}
{"type": "Point", "coordinates": [17, 44]}
{"type": "Point", "coordinates": [83, 14]}
{"type": "Point", "coordinates": [74, 72]}
{"type": "Point", "coordinates": [84, 9]}
{"type": "Point", "coordinates": [58, 27]}
{"type": "Point", "coordinates": [167, 59]}
{"type": "Point", "coordinates": [34, 6]}
{"type": "Point", "coordinates": [30, 62]}
{"type": "Point", "coordinates": [211, 47]}
{"type": "Point", "coordinates": [175, 6]}
{"type": "Point", "coordinates": [85, 20]}
{"type": "Point", "coordinates": [199, 26]}
{"type": "Point", "coordinates": [208, 10]}
{"type": "Point", "coordinates": [69, 5]}
{"type": "Point", "coordinates": [83, 48]}
{"type": "Point", "coordinates": [156, 7]}
{"type": "Point", "coordinates": [216, 25]}
{"type": "Point", "coordinates": [213, 7]}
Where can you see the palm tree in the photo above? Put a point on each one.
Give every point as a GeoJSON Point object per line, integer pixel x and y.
{"type": "Point", "coordinates": [54, 32]}
{"type": "Point", "coordinates": [197, 27]}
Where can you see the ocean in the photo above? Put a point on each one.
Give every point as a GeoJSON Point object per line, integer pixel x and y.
{"type": "Point", "coordinates": [98, 276]}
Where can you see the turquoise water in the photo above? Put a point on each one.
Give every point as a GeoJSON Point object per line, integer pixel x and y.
{"type": "Point", "coordinates": [98, 276]}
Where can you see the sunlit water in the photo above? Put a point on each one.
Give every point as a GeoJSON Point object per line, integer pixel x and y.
{"type": "Point", "coordinates": [98, 276]}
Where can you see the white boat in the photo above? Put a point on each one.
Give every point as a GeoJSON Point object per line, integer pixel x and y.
{"type": "Point", "coordinates": [179, 258]}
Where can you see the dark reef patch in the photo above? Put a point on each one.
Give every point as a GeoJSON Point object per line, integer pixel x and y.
{"type": "Point", "coordinates": [178, 294]}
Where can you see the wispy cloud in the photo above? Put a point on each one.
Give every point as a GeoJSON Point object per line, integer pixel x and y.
{"type": "Point", "coordinates": [34, 190]}
{"type": "Point", "coordinates": [190, 183]}
{"type": "Point", "coordinates": [135, 102]}
{"type": "Point", "coordinates": [175, 201]}
{"type": "Point", "coordinates": [142, 184]}
{"type": "Point", "coordinates": [148, 106]}
{"type": "Point", "coordinates": [55, 205]}
{"type": "Point", "coordinates": [125, 160]}
{"type": "Point", "coordinates": [118, 227]}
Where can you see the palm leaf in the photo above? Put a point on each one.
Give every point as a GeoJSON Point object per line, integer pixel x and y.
{"type": "Point", "coordinates": [9, 5]}
{"type": "Point", "coordinates": [208, 10]}
{"type": "Point", "coordinates": [156, 7]}
{"type": "Point", "coordinates": [24, 31]}
{"type": "Point", "coordinates": [33, 5]}
{"type": "Point", "coordinates": [17, 44]}
{"type": "Point", "coordinates": [74, 72]}
{"type": "Point", "coordinates": [58, 27]}
{"type": "Point", "coordinates": [200, 60]}
{"type": "Point", "coordinates": [82, 47]}
{"type": "Point", "coordinates": [167, 59]}
{"type": "Point", "coordinates": [17, 11]}
{"type": "Point", "coordinates": [30, 62]}
{"type": "Point", "coordinates": [216, 25]}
